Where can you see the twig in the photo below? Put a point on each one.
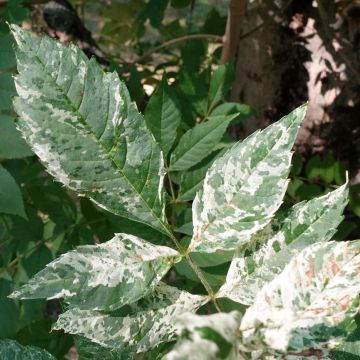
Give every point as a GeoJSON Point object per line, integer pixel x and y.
{"type": "Point", "coordinates": [214, 38]}
{"type": "Point", "coordinates": [184, 252]}
{"type": "Point", "coordinates": [233, 28]}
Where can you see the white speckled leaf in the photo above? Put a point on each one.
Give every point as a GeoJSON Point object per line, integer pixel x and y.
{"type": "Point", "coordinates": [208, 337]}
{"type": "Point", "coordinates": [147, 324]}
{"type": "Point", "coordinates": [243, 189]}
{"type": "Point", "coordinates": [83, 126]}
{"type": "Point", "coordinates": [102, 277]}
{"type": "Point", "coordinates": [270, 250]}
{"type": "Point", "coordinates": [310, 305]}
{"type": "Point", "coordinates": [12, 350]}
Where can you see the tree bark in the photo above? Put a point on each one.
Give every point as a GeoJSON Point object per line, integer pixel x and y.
{"type": "Point", "coordinates": [236, 13]}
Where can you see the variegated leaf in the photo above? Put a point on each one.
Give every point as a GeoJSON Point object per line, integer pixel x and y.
{"type": "Point", "coordinates": [243, 189]}
{"type": "Point", "coordinates": [310, 306]}
{"type": "Point", "coordinates": [102, 277]}
{"type": "Point", "coordinates": [83, 126]}
{"type": "Point", "coordinates": [87, 350]}
{"type": "Point", "coordinates": [272, 248]}
{"type": "Point", "coordinates": [207, 337]}
{"type": "Point", "coordinates": [12, 350]}
{"type": "Point", "coordinates": [147, 324]}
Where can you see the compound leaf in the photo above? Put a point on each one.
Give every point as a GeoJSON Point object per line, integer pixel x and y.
{"type": "Point", "coordinates": [243, 189]}
{"type": "Point", "coordinates": [207, 337]}
{"type": "Point", "coordinates": [310, 305]}
{"type": "Point", "coordinates": [273, 247]}
{"type": "Point", "coordinates": [83, 126]}
{"type": "Point", "coordinates": [147, 324]}
{"type": "Point", "coordinates": [102, 277]}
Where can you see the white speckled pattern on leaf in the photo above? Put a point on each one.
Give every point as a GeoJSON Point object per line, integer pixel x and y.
{"type": "Point", "coordinates": [207, 337]}
{"type": "Point", "coordinates": [84, 127]}
{"type": "Point", "coordinates": [147, 324]}
{"type": "Point", "coordinates": [102, 277]}
{"type": "Point", "coordinates": [243, 189]}
{"type": "Point", "coordinates": [270, 250]}
{"type": "Point", "coordinates": [12, 350]}
{"type": "Point", "coordinates": [310, 305]}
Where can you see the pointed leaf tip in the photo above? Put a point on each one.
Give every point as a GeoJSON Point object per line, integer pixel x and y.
{"type": "Point", "coordinates": [243, 189]}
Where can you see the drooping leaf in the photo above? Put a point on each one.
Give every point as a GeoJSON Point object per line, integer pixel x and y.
{"type": "Point", "coordinates": [243, 189]}
{"type": "Point", "coordinates": [310, 305]}
{"type": "Point", "coordinates": [102, 277]}
{"type": "Point", "coordinates": [220, 84]}
{"type": "Point", "coordinates": [273, 247]}
{"type": "Point", "coordinates": [12, 146]}
{"type": "Point", "coordinates": [148, 323]}
{"type": "Point", "coordinates": [208, 337]}
{"type": "Point", "coordinates": [10, 349]}
{"type": "Point", "coordinates": [163, 116]}
{"type": "Point", "coordinates": [82, 124]}
{"type": "Point", "coordinates": [11, 201]}
{"type": "Point", "coordinates": [198, 142]}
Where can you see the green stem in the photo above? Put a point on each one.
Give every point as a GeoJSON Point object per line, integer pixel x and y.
{"type": "Point", "coordinates": [187, 257]}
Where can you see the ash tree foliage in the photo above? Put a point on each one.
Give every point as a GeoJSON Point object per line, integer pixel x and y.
{"type": "Point", "coordinates": [293, 290]}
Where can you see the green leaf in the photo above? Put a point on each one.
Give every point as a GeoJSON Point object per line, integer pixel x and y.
{"type": "Point", "coordinates": [163, 116]}
{"type": "Point", "coordinates": [83, 126]}
{"type": "Point", "coordinates": [7, 91]}
{"type": "Point", "coordinates": [243, 189]}
{"type": "Point", "coordinates": [9, 314]}
{"type": "Point", "coordinates": [272, 248]}
{"type": "Point", "coordinates": [10, 349]}
{"type": "Point", "coordinates": [323, 168]}
{"type": "Point", "coordinates": [12, 146]}
{"type": "Point", "coordinates": [154, 10]}
{"type": "Point", "coordinates": [242, 111]}
{"type": "Point", "coordinates": [102, 277]}
{"type": "Point", "coordinates": [198, 142]}
{"type": "Point", "coordinates": [184, 269]}
{"type": "Point", "coordinates": [310, 305]}
{"type": "Point", "coordinates": [194, 92]}
{"type": "Point", "coordinates": [11, 201]}
{"type": "Point", "coordinates": [88, 350]}
{"type": "Point", "coordinates": [146, 325]}
{"type": "Point", "coordinates": [192, 180]}
{"type": "Point", "coordinates": [220, 84]}
{"type": "Point", "coordinates": [350, 349]}
{"type": "Point", "coordinates": [207, 337]}
{"type": "Point", "coordinates": [179, 4]}
{"type": "Point", "coordinates": [54, 201]}
{"type": "Point", "coordinates": [7, 57]}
